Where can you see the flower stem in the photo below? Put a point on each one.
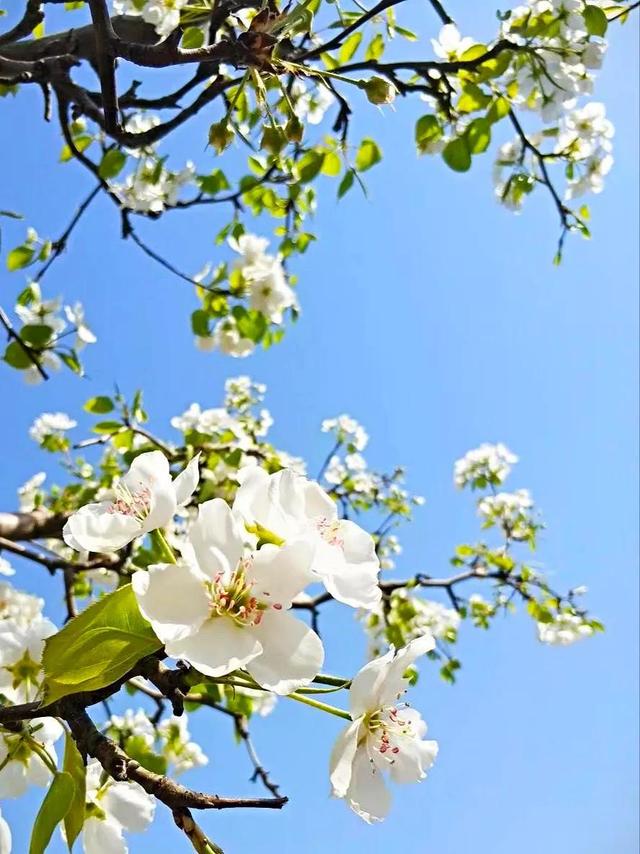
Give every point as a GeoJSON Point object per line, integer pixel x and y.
{"type": "Point", "coordinates": [338, 681]}
{"type": "Point", "coordinates": [43, 754]}
{"type": "Point", "coordinates": [162, 546]}
{"type": "Point", "coordinates": [339, 713]}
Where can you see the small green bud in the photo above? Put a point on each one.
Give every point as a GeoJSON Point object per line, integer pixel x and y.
{"type": "Point", "coordinates": [379, 91]}
{"type": "Point", "coordinates": [221, 134]}
{"type": "Point", "coordinates": [274, 139]}
{"type": "Point", "coordinates": [294, 129]}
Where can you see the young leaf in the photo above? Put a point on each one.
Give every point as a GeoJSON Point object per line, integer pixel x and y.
{"type": "Point", "coordinates": [97, 647]}
{"type": "Point", "coordinates": [74, 767]}
{"type": "Point", "coordinates": [368, 155]}
{"type": "Point", "coordinates": [55, 806]}
{"type": "Point", "coordinates": [112, 163]}
{"type": "Point", "coordinates": [19, 258]}
{"type": "Point", "coordinates": [457, 156]}
{"type": "Point", "coordinates": [349, 48]}
{"type": "Point", "coordinates": [99, 405]}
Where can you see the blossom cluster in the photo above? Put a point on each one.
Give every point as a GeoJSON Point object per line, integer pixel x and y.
{"type": "Point", "coordinates": [487, 464]}
{"type": "Point", "coordinates": [163, 15]}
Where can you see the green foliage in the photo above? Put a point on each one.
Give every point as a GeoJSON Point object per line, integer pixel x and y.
{"type": "Point", "coordinates": [73, 765]}
{"type": "Point", "coordinates": [20, 257]}
{"type": "Point", "coordinates": [54, 808]}
{"type": "Point", "coordinates": [99, 405]}
{"type": "Point", "coordinates": [112, 163]}
{"type": "Point", "coordinates": [97, 647]}
{"type": "Point", "coordinates": [368, 155]}
{"type": "Point", "coordinates": [456, 155]}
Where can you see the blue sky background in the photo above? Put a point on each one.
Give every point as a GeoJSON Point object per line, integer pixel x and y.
{"type": "Point", "coordinates": [437, 319]}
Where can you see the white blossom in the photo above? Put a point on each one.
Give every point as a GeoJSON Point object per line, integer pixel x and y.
{"type": "Point", "coordinates": [384, 737]}
{"type": "Point", "coordinates": [29, 492]}
{"type": "Point", "coordinates": [484, 465]}
{"type": "Point", "coordinates": [181, 752]}
{"type": "Point", "coordinates": [16, 605]}
{"type": "Point", "coordinates": [310, 106]}
{"type": "Point", "coordinates": [22, 766]}
{"type": "Point", "coordinates": [51, 424]}
{"type": "Point", "coordinates": [566, 628]}
{"type": "Point", "coordinates": [75, 316]}
{"type": "Point", "coordinates": [221, 608]}
{"type": "Point", "coordinates": [5, 836]}
{"type": "Point", "coordinates": [292, 509]}
{"type": "Point", "coordinates": [510, 509]}
{"type": "Point", "coordinates": [144, 499]}
{"type": "Point", "coordinates": [21, 646]}
{"type": "Point", "coordinates": [132, 724]}
{"type": "Point", "coordinates": [6, 569]}
{"type": "Point", "coordinates": [346, 429]}
{"type": "Point", "coordinates": [450, 45]}
{"type": "Point", "coordinates": [113, 808]}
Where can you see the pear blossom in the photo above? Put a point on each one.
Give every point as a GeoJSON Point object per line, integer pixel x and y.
{"type": "Point", "coordinates": [29, 494]}
{"type": "Point", "coordinates": [20, 765]}
{"type": "Point", "coordinates": [483, 465]}
{"type": "Point", "coordinates": [264, 277]}
{"type": "Point", "coordinates": [228, 339]}
{"type": "Point", "coordinates": [144, 499]}
{"type": "Point", "coordinates": [565, 629]}
{"type": "Point", "coordinates": [5, 836]}
{"type": "Point", "coordinates": [384, 736]}
{"type": "Point", "coordinates": [347, 430]}
{"type": "Point", "coordinates": [221, 608]}
{"type": "Point", "coordinates": [113, 808]}
{"type": "Point", "coordinates": [450, 45]}
{"type": "Point", "coordinates": [75, 316]}
{"type": "Point", "coordinates": [21, 647]}
{"type": "Point", "coordinates": [16, 605]}
{"type": "Point", "coordinates": [510, 509]}
{"type": "Point", "coordinates": [310, 106]}
{"type": "Point", "coordinates": [51, 424]}
{"type": "Point", "coordinates": [180, 751]}
{"type": "Point", "coordinates": [292, 508]}
{"type": "Point", "coordinates": [6, 569]}
{"type": "Point", "coordinates": [132, 724]}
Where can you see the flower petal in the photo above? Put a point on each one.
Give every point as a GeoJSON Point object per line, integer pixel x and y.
{"type": "Point", "coordinates": [367, 795]}
{"type": "Point", "coordinates": [217, 538]}
{"type": "Point", "coordinates": [342, 756]}
{"type": "Point", "coordinates": [218, 647]}
{"type": "Point", "coordinates": [318, 503]}
{"type": "Point", "coordinates": [365, 687]}
{"type": "Point", "coordinates": [394, 684]}
{"type": "Point", "coordinates": [102, 836]}
{"type": "Point", "coordinates": [94, 528]}
{"type": "Point", "coordinates": [172, 596]}
{"type": "Point", "coordinates": [130, 805]}
{"type": "Point", "coordinates": [151, 470]}
{"type": "Point", "coordinates": [281, 573]}
{"type": "Point", "coordinates": [292, 653]}
{"type": "Point", "coordinates": [185, 483]}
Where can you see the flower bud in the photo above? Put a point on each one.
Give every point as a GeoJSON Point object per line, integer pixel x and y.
{"type": "Point", "coordinates": [380, 91]}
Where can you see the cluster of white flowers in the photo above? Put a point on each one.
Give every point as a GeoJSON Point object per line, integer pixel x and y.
{"type": "Point", "coordinates": [21, 757]}
{"type": "Point", "coordinates": [180, 751]}
{"type": "Point", "coordinates": [29, 494]}
{"type": "Point", "coordinates": [113, 808]}
{"type": "Point", "coordinates": [586, 135]}
{"type": "Point", "coordinates": [388, 546]}
{"type": "Point", "coordinates": [164, 15]}
{"type": "Point", "coordinates": [353, 469]}
{"type": "Point", "coordinates": [310, 106]}
{"type": "Point", "coordinates": [152, 187]}
{"type": "Point", "coordinates": [34, 311]}
{"type": "Point", "coordinates": [450, 45]}
{"type": "Point", "coordinates": [511, 510]}
{"type": "Point", "coordinates": [347, 431]}
{"type": "Point", "coordinates": [412, 617]}
{"type": "Point", "coordinates": [225, 605]}
{"type": "Point", "coordinates": [487, 464]}
{"type": "Point", "coordinates": [51, 425]}
{"type": "Point", "coordinates": [6, 568]}
{"type": "Point", "coordinates": [241, 393]}
{"type": "Point", "coordinates": [566, 628]}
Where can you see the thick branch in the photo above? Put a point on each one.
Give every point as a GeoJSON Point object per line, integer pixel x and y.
{"type": "Point", "coordinates": [32, 526]}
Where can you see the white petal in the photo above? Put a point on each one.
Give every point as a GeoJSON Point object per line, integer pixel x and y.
{"type": "Point", "coordinates": [130, 805]}
{"type": "Point", "coordinates": [281, 573]}
{"type": "Point", "coordinates": [394, 684]}
{"type": "Point", "coordinates": [103, 837]}
{"type": "Point", "coordinates": [342, 756]}
{"type": "Point", "coordinates": [172, 597]}
{"type": "Point", "coordinates": [37, 773]}
{"type": "Point", "coordinates": [186, 482]}
{"type": "Point", "coordinates": [292, 653]}
{"type": "Point", "coordinates": [367, 795]}
{"type": "Point", "coordinates": [217, 538]}
{"type": "Point", "coordinates": [318, 503]}
{"type": "Point", "coordinates": [94, 529]}
{"type": "Point", "coordinates": [349, 568]}
{"type": "Point", "coordinates": [5, 837]}
{"type": "Point", "coordinates": [151, 470]}
{"type": "Point", "coordinates": [365, 687]}
{"type": "Point", "coordinates": [13, 780]}
{"type": "Point", "coordinates": [413, 761]}
{"type": "Point", "coordinates": [218, 647]}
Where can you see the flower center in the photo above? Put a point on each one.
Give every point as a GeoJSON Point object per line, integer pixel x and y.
{"type": "Point", "coordinates": [387, 728]}
{"type": "Point", "coordinates": [135, 504]}
{"type": "Point", "coordinates": [25, 670]}
{"type": "Point", "coordinates": [329, 530]}
{"type": "Point", "coordinates": [235, 598]}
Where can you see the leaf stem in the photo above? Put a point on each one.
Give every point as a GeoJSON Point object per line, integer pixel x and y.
{"type": "Point", "coordinates": [162, 546]}
{"type": "Point", "coordinates": [316, 704]}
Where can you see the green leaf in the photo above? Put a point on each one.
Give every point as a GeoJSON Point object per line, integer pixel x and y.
{"type": "Point", "coordinates": [137, 748]}
{"type": "Point", "coordinates": [112, 163]}
{"type": "Point", "coordinates": [98, 405]}
{"type": "Point", "coordinates": [81, 143]}
{"type": "Point", "coordinates": [498, 110]}
{"type": "Point", "coordinates": [595, 20]}
{"type": "Point", "coordinates": [200, 323]}
{"type": "Point", "coordinates": [331, 165]}
{"type": "Point", "coordinates": [428, 131]}
{"type": "Point", "coordinates": [20, 257]}
{"type": "Point", "coordinates": [72, 361]}
{"type": "Point", "coordinates": [310, 165]}
{"type": "Point", "coordinates": [74, 766]}
{"type": "Point", "coordinates": [376, 47]}
{"type": "Point", "coordinates": [97, 647]}
{"type": "Point", "coordinates": [36, 334]}
{"type": "Point", "coordinates": [368, 155]}
{"type": "Point", "coordinates": [213, 183]}
{"type": "Point", "coordinates": [349, 48]}
{"type": "Point", "coordinates": [251, 324]}
{"type": "Point", "coordinates": [16, 356]}
{"type": "Point", "coordinates": [472, 99]}
{"type": "Point", "coordinates": [346, 184]}
{"type": "Point", "coordinates": [107, 427]}
{"type": "Point", "coordinates": [478, 136]}
{"type": "Point", "coordinates": [473, 52]}
{"type": "Point", "coordinates": [193, 38]}
{"type": "Point", "coordinates": [457, 156]}
{"type": "Point", "coordinates": [54, 807]}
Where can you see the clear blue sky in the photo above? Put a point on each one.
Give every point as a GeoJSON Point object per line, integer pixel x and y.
{"type": "Point", "coordinates": [435, 318]}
